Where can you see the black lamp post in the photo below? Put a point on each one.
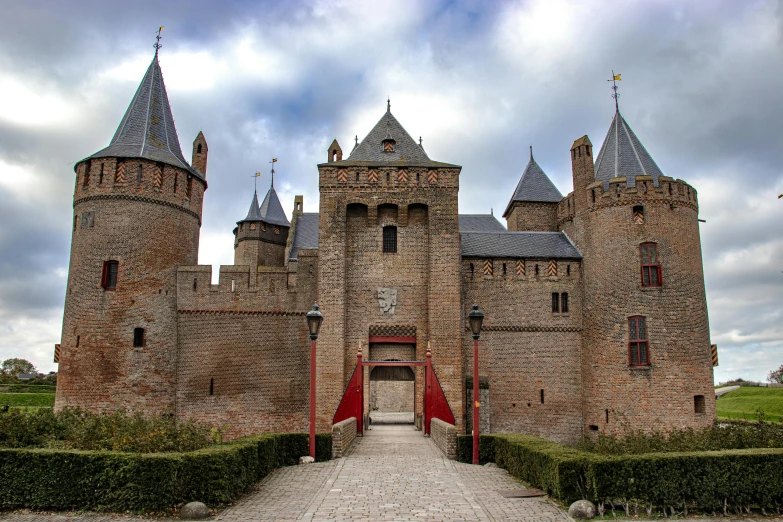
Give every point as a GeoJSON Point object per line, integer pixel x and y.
{"type": "Point", "coordinates": [314, 318]}
{"type": "Point", "coordinates": [475, 318]}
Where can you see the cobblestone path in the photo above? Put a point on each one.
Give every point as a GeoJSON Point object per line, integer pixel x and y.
{"type": "Point", "coordinates": [393, 473]}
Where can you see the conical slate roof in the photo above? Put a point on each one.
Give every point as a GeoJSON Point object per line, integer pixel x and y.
{"type": "Point", "coordinates": [147, 130]}
{"type": "Point", "coordinates": [622, 154]}
{"type": "Point", "coordinates": [406, 151]}
{"type": "Point", "coordinates": [270, 211]}
{"type": "Point", "coordinates": [253, 214]}
{"type": "Point", "coordinates": [535, 186]}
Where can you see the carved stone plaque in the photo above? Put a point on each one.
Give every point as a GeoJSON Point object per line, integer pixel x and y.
{"type": "Point", "coordinates": [387, 300]}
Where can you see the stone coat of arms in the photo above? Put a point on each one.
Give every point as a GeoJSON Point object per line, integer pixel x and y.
{"type": "Point", "coordinates": [387, 300]}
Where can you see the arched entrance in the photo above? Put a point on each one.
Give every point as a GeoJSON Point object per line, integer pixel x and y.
{"type": "Point", "coordinates": [391, 396]}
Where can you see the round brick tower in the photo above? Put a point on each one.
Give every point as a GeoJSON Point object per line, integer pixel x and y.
{"type": "Point", "coordinates": [137, 213]}
{"type": "Point", "coordinates": [646, 358]}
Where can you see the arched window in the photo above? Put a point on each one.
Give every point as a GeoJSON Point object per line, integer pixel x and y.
{"type": "Point", "coordinates": [390, 239]}
{"type": "Point", "coordinates": [198, 149]}
{"type": "Point", "coordinates": [638, 352]}
{"type": "Point", "coordinates": [651, 268]}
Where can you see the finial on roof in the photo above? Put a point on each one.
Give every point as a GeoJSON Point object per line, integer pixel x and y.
{"type": "Point", "coordinates": [531, 153]}
{"type": "Point", "coordinates": [491, 211]}
{"type": "Point", "coordinates": [420, 142]}
{"type": "Point", "coordinates": [255, 181]}
{"type": "Point", "coordinates": [615, 78]}
{"type": "Point", "coordinates": [158, 45]}
{"type": "Point", "coordinates": [388, 104]}
{"type": "Point", "coordinates": [274, 160]}
{"type": "Point", "coordinates": [356, 139]}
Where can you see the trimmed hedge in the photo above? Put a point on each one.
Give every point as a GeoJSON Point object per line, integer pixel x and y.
{"type": "Point", "coordinates": [114, 481]}
{"type": "Point", "coordinates": [708, 480]}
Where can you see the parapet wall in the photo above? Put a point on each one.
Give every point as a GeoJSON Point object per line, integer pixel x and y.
{"type": "Point", "coordinates": [618, 193]}
{"type": "Point", "coordinates": [444, 435]}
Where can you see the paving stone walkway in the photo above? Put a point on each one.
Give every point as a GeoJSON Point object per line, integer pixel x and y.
{"type": "Point", "coordinates": [394, 474]}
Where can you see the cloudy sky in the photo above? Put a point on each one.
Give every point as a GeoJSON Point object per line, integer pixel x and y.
{"type": "Point", "coordinates": [479, 81]}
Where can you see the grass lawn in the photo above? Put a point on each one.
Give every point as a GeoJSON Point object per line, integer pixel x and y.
{"type": "Point", "coordinates": [743, 403]}
{"type": "Point", "coordinates": [27, 399]}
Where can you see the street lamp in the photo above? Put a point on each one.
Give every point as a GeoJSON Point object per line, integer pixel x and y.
{"type": "Point", "coordinates": [475, 318]}
{"type": "Point", "coordinates": [314, 318]}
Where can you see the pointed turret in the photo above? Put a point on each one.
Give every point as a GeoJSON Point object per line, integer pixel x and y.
{"type": "Point", "coordinates": [271, 210]}
{"type": "Point", "coordinates": [147, 130]}
{"type": "Point", "coordinates": [622, 154]}
{"type": "Point", "coordinates": [253, 214]}
{"type": "Point", "coordinates": [533, 206]}
{"type": "Point", "coordinates": [200, 153]}
{"type": "Point", "coordinates": [260, 238]}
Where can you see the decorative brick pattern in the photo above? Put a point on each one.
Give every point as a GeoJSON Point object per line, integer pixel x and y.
{"type": "Point", "coordinates": [372, 176]}
{"type": "Point", "coordinates": [342, 175]}
{"type": "Point", "coordinates": [487, 267]}
{"type": "Point", "coordinates": [520, 270]}
{"type": "Point", "coordinates": [432, 175]}
{"type": "Point", "coordinates": [551, 268]}
{"type": "Point", "coordinates": [402, 175]}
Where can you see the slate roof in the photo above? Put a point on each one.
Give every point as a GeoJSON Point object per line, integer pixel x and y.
{"type": "Point", "coordinates": [535, 186]}
{"type": "Point", "coordinates": [480, 223]}
{"type": "Point", "coordinates": [406, 151]}
{"type": "Point", "coordinates": [253, 214]}
{"type": "Point", "coordinates": [622, 154]}
{"type": "Point", "coordinates": [305, 234]}
{"type": "Point", "coordinates": [518, 245]}
{"type": "Point", "coordinates": [147, 130]}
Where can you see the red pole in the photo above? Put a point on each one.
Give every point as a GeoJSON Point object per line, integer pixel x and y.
{"type": "Point", "coordinates": [475, 403]}
{"type": "Point", "coordinates": [312, 398]}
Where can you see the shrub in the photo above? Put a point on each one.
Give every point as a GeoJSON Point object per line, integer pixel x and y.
{"type": "Point", "coordinates": [708, 480]}
{"type": "Point", "coordinates": [115, 481]}
{"type": "Point", "coordinates": [73, 428]}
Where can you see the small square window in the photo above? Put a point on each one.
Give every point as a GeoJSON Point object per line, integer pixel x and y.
{"type": "Point", "coordinates": [699, 404]}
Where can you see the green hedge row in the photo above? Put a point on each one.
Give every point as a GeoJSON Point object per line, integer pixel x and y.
{"type": "Point", "coordinates": [707, 480]}
{"type": "Point", "coordinates": [114, 481]}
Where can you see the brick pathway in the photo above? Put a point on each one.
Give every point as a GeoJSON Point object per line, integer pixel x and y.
{"type": "Point", "coordinates": [393, 473]}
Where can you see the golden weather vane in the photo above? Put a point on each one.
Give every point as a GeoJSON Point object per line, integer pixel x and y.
{"type": "Point", "coordinates": [158, 45]}
{"type": "Point", "coordinates": [615, 78]}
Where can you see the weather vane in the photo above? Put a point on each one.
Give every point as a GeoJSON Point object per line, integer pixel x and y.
{"type": "Point", "coordinates": [615, 78]}
{"type": "Point", "coordinates": [274, 160]}
{"type": "Point", "coordinates": [255, 181]}
{"type": "Point", "coordinates": [158, 45]}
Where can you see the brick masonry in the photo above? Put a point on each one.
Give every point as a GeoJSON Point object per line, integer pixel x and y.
{"type": "Point", "coordinates": [444, 435]}
{"type": "Point", "coordinates": [236, 353]}
{"type": "Point", "coordinates": [343, 437]}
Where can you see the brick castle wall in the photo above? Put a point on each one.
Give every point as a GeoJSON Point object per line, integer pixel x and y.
{"type": "Point", "coordinates": [530, 216]}
{"type": "Point", "coordinates": [149, 223]}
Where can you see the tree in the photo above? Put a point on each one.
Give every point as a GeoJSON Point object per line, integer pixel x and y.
{"type": "Point", "coordinates": [15, 366]}
{"type": "Point", "coordinates": [776, 376]}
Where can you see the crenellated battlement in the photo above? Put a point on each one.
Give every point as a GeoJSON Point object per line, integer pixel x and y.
{"type": "Point", "coordinates": [139, 180]}
{"type": "Point", "coordinates": [670, 191]}
{"type": "Point", "coordinates": [239, 287]}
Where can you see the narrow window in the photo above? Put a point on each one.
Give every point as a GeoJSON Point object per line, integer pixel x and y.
{"type": "Point", "coordinates": [606, 411]}
{"type": "Point", "coordinates": [536, 269]}
{"type": "Point", "coordinates": [189, 188]}
{"type": "Point", "coordinates": [390, 239]}
{"type": "Point", "coordinates": [357, 177]}
{"type": "Point", "coordinates": [388, 177]}
{"type": "Point", "coordinates": [568, 270]}
{"type": "Point", "coordinates": [652, 274]}
{"type": "Point", "coordinates": [592, 195]}
{"type": "Point", "coordinates": [100, 176]}
{"type": "Point", "coordinates": [138, 337]}
{"type": "Point", "coordinates": [637, 341]}
{"type": "Point", "coordinates": [233, 285]}
{"type": "Point", "coordinates": [109, 275]}
{"type": "Point", "coordinates": [670, 188]}
{"type": "Point", "coordinates": [564, 302]}
{"type": "Point", "coordinates": [555, 302]}
{"type": "Point", "coordinates": [195, 284]}
{"type": "Point", "coordinates": [86, 179]}
{"type": "Point", "coordinates": [75, 221]}
{"type": "Point", "coordinates": [699, 405]}
{"type": "Point", "coordinates": [471, 270]}
{"type": "Point", "coordinates": [212, 386]}
{"type": "Point", "coordinates": [418, 178]}
{"type": "Point", "coordinates": [78, 338]}
{"type": "Point", "coordinates": [504, 269]}
{"type": "Point", "coordinates": [176, 179]}
{"type": "Point", "coordinates": [198, 149]}
{"type": "Point", "coordinates": [542, 396]}
{"type": "Point", "coordinates": [138, 175]}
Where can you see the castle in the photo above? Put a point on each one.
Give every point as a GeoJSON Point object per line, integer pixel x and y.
{"type": "Point", "coordinates": [596, 317]}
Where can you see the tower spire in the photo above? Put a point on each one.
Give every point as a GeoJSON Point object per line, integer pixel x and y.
{"type": "Point", "coordinates": [615, 78]}
{"type": "Point", "coordinates": [274, 160]}
{"type": "Point", "coordinates": [158, 45]}
{"type": "Point", "coordinates": [388, 104]}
